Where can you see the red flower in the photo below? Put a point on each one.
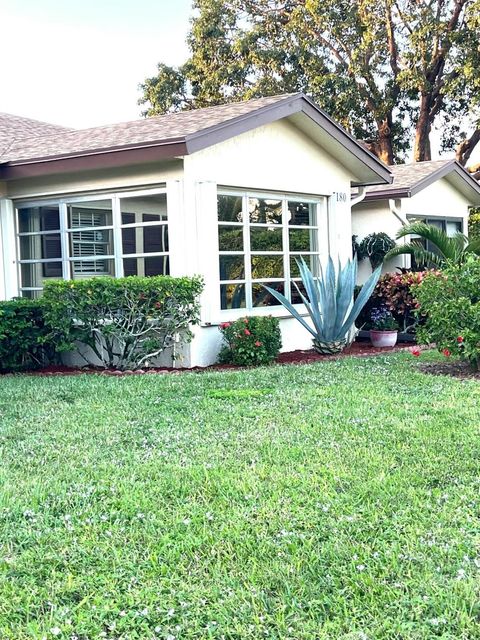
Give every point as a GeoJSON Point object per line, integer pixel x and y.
{"type": "Point", "coordinates": [158, 305]}
{"type": "Point", "coordinates": [258, 343]}
{"type": "Point", "coordinates": [245, 320]}
{"type": "Point", "coordinates": [224, 325]}
{"type": "Point", "coordinates": [460, 339]}
{"type": "Point", "coordinates": [247, 332]}
{"type": "Point", "coordinates": [446, 353]}
{"type": "Point", "coordinates": [415, 351]}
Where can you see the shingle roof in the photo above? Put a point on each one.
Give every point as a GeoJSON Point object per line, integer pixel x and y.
{"type": "Point", "coordinates": [409, 179]}
{"type": "Point", "coordinates": [13, 128]}
{"type": "Point", "coordinates": [170, 127]}
{"type": "Point", "coordinates": [406, 176]}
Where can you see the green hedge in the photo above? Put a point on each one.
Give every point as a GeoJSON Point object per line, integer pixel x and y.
{"type": "Point", "coordinates": [24, 335]}
{"type": "Point", "coordinates": [126, 322]}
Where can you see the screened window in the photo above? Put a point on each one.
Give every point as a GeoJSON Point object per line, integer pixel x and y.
{"type": "Point", "coordinates": [124, 234]}
{"type": "Point", "coordinates": [260, 238]}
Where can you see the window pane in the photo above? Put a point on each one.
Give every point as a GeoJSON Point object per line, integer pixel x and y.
{"type": "Point", "coordinates": [38, 219]}
{"type": "Point", "coordinates": [302, 239]}
{"type": "Point", "coordinates": [32, 295]}
{"type": "Point", "coordinates": [266, 239]}
{"type": "Point", "coordinates": [91, 243]}
{"type": "Point", "coordinates": [230, 208]}
{"type": "Point", "coordinates": [154, 266]}
{"type": "Point", "coordinates": [312, 264]}
{"type": "Point", "coordinates": [262, 298]}
{"type": "Point", "coordinates": [232, 268]}
{"type": "Point", "coordinates": [453, 227]}
{"type": "Point", "coordinates": [145, 239]}
{"type": "Point", "coordinates": [302, 213]}
{"type": "Point", "coordinates": [267, 267]}
{"type": "Point", "coordinates": [230, 238]}
{"type": "Point", "coordinates": [265, 211]}
{"type": "Point", "coordinates": [232, 296]}
{"type": "Point", "coordinates": [47, 247]}
{"type": "Point", "coordinates": [90, 214]}
{"type": "Point", "coordinates": [144, 209]}
{"type": "Point", "coordinates": [33, 275]}
{"type": "Point", "coordinates": [90, 268]}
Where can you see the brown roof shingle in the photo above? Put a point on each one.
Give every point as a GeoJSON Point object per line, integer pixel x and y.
{"type": "Point", "coordinates": [13, 128]}
{"type": "Point", "coordinates": [166, 128]}
{"type": "Point", "coordinates": [406, 176]}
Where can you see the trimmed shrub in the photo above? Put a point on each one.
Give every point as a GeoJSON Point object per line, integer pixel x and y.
{"type": "Point", "coordinates": [126, 322]}
{"type": "Point", "coordinates": [450, 305]}
{"type": "Point", "coordinates": [253, 340]}
{"type": "Point", "coordinates": [24, 336]}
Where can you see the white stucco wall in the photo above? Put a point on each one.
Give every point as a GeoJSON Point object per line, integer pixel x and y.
{"type": "Point", "coordinates": [276, 158]}
{"type": "Point", "coordinates": [440, 199]}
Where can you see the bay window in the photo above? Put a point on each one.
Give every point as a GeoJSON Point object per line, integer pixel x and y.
{"type": "Point", "coordinates": [260, 237]}
{"type": "Point", "coordinates": [116, 235]}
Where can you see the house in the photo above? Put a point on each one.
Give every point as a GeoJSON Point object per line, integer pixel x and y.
{"type": "Point", "coordinates": [439, 192]}
{"type": "Point", "coordinates": [233, 193]}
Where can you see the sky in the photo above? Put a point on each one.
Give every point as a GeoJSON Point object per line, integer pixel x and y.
{"type": "Point", "coordinates": [79, 62]}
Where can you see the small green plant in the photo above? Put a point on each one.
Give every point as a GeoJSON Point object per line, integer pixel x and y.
{"type": "Point", "coordinates": [25, 335]}
{"type": "Point", "coordinates": [375, 247]}
{"type": "Point", "coordinates": [330, 304]}
{"type": "Point", "coordinates": [253, 340]}
{"type": "Point", "coordinates": [126, 322]}
{"type": "Point", "coordinates": [382, 320]}
{"type": "Point", "coordinates": [450, 304]}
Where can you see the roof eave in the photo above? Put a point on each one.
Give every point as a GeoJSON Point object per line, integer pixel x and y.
{"type": "Point", "coordinates": [113, 158]}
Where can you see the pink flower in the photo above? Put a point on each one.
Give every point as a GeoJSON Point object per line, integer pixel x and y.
{"type": "Point", "coordinates": [258, 343]}
{"type": "Point", "coordinates": [225, 325]}
{"type": "Point", "coordinates": [415, 351]}
{"type": "Point", "coordinates": [446, 353]}
{"type": "Point", "coordinates": [245, 320]}
{"type": "Point", "coordinates": [460, 339]}
{"type": "Point", "coordinates": [247, 332]}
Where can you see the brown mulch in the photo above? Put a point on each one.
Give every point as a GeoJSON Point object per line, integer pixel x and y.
{"type": "Point", "coordinates": [453, 368]}
{"type": "Point", "coordinates": [358, 349]}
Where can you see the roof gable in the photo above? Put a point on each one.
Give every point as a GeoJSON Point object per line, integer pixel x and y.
{"type": "Point", "coordinates": [184, 133]}
{"type": "Point", "coordinates": [13, 128]}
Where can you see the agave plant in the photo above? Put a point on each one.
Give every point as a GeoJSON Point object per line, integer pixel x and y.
{"type": "Point", "coordinates": [453, 249]}
{"type": "Point", "coordinates": [329, 303]}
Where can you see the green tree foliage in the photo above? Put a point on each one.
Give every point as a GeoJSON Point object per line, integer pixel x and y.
{"type": "Point", "coordinates": [382, 68]}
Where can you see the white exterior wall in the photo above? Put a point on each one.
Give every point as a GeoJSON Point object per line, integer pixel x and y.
{"type": "Point", "coordinates": [273, 158]}
{"type": "Point", "coordinates": [440, 199]}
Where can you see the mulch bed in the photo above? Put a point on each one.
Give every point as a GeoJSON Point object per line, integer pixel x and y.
{"type": "Point", "coordinates": [358, 349]}
{"type": "Point", "coordinates": [454, 368]}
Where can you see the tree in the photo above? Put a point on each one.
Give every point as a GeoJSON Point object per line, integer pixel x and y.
{"type": "Point", "coordinates": [382, 68]}
{"type": "Point", "coordinates": [433, 246]}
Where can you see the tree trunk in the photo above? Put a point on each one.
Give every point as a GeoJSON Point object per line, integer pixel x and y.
{"type": "Point", "coordinates": [382, 147]}
{"type": "Point", "coordinates": [465, 148]}
{"type": "Point", "coordinates": [422, 150]}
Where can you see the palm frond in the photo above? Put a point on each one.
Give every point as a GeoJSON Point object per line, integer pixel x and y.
{"type": "Point", "coordinates": [421, 255]}
{"type": "Point", "coordinates": [448, 248]}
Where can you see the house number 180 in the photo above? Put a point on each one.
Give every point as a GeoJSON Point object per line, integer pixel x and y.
{"type": "Point", "coordinates": [341, 197]}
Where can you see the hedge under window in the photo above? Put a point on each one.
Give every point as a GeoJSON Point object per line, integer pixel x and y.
{"type": "Point", "coordinates": [259, 239]}
{"type": "Point", "coordinates": [122, 234]}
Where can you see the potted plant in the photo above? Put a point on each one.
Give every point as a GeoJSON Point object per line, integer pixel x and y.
{"type": "Point", "coordinates": [384, 331]}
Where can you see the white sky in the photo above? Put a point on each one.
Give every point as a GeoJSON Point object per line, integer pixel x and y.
{"type": "Point", "coordinates": [79, 62]}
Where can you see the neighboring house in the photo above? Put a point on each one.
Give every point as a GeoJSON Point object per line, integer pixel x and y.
{"type": "Point", "coordinates": [233, 193]}
{"type": "Point", "coordinates": [438, 192]}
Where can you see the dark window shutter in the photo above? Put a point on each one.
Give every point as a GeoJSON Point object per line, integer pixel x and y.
{"type": "Point", "coordinates": [51, 244]}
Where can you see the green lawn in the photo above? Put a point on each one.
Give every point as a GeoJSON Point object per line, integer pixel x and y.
{"type": "Point", "coordinates": [336, 500]}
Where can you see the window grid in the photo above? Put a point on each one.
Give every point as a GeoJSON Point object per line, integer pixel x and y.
{"type": "Point", "coordinates": [287, 254]}
{"type": "Point", "coordinates": [67, 230]}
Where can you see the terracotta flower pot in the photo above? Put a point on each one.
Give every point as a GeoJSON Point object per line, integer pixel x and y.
{"type": "Point", "coordinates": [383, 338]}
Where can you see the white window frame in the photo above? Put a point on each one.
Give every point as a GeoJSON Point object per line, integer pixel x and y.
{"type": "Point", "coordinates": [321, 240]}
{"type": "Point", "coordinates": [65, 230]}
